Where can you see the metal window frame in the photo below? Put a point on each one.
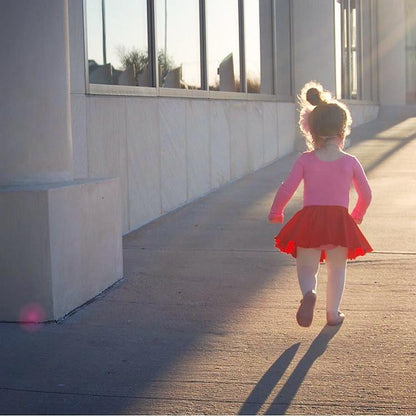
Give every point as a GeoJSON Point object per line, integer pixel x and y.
{"type": "Point", "coordinates": [203, 46]}
{"type": "Point", "coordinates": [86, 68]}
{"type": "Point", "coordinates": [153, 68]}
{"type": "Point", "coordinates": [204, 93]}
{"type": "Point", "coordinates": [242, 46]}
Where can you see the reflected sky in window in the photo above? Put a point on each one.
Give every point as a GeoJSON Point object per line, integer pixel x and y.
{"type": "Point", "coordinates": [223, 44]}
{"type": "Point", "coordinates": [252, 41]}
{"type": "Point", "coordinates": [177, 39]}
{"type": "Point", "coordinates": [125, 29]}
{"type": "Point", "coordinates": [177, 23]}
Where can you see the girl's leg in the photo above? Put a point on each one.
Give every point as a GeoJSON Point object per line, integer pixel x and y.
{"type": "Point", "coordinates": [307, 263]}
{"type": "Point", "coordinates": [336, 263]}
{"type": "Point", "coordinates": [307, 266]}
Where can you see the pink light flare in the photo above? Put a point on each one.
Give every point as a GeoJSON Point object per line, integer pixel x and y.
{"type": "Point", "coordinates": [31, 317]}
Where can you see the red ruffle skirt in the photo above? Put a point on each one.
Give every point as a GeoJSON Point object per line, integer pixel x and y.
{"type": "Point", "coordinates": [322, 227]}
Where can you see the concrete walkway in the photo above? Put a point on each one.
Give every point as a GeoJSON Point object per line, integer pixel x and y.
{"type": "Point", "coordinates": [204, 321]}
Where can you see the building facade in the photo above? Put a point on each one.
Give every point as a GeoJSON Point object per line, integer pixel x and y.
{"type": "Point", "coordinates": [115, 112]}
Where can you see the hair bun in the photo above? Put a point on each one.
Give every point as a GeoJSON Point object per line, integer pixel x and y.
{"type": "Point", "coordinates": [313, 96]}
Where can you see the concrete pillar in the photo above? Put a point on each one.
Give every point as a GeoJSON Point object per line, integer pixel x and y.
{"type": "Point", "coordinates": [60, 239]}
{"type": "Point", "coordinates": [313, 47]}
{"type": "Point", "coordinates": [35, 105]}
{"type": "Point", "coordinates": [391, 52]}
{"type": "Point", "coordinates": [314, 43]}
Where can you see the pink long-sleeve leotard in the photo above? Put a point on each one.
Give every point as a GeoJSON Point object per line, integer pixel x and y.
{"type": "Point", "coordinates": [325, 183]}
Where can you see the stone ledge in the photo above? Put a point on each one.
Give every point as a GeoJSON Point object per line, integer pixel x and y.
{"type": "Point", "coordinates": [61, 245]}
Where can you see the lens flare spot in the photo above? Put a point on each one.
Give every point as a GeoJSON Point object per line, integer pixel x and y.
{"type": "Point", "coordinates": [31, 317]}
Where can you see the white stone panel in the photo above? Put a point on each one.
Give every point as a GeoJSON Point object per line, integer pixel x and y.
{"type": "Point", "coordinates": [371, 112]}
{"type": "Point", "coordinates": [362, 113]}
{"type": "Point", "coordinates": [79, 135]}
{"type": "Point", "coordinates": [143, 155]}
{"type": "Point", "coordinates": [287, 128]}
{"type": "Point", "coordinates": [197, 135]}
{"type": "Point", "coordinates": [24, 262]}
{"type": "Point", "coordinates": [270, 132]}
{"type": "Point", "coordinates": [172, 116]}
{"type": "Point", "coordinates": [61, 245]}
{"type": "Point", "coordinates": [107, 149]}
{"type": "Point", "coordinates": [255, 135]}
{"type": "Point", "coordinates": [219, 143]}
{"type": "Point", "coordinates": [86, 251]}
{"type": "Point", "coordinates": [237, 118]}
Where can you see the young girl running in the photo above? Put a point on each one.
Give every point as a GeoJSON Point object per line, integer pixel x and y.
{"type": "Point", "coordinates": [323, 230]}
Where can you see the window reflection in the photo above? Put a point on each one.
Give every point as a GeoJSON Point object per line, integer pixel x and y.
{"type": "Point", "coordinates": [117, 42]}
{"type": "Point", "coordinates": [223, 45]}
{"type": "Point", "coordinates": [130, 45]}
{"type": "Point", "coordinates": [252, 45]}
{"type": "Point", "coordinates": [178, 43]}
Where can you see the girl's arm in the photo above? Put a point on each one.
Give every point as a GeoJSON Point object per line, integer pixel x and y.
{"type": "Point", "coordinates": [363, 189]}
{"type": "Point", "coordinates": [285, 192]}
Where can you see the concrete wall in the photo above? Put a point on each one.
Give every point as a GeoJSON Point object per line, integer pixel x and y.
{"type": "Point", "coordinates": [391, 52]}
{"type": "Point", "coordinates": [362, 113]}
{"type": "Point", "coordinates": [169, 151]}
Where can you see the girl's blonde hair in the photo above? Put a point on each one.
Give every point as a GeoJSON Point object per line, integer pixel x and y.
{"type": "Point", "coordinates": [322, 117]}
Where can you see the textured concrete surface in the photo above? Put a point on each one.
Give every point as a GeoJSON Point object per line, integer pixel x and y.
{"type": "Point", "coordinates": [204, 321]}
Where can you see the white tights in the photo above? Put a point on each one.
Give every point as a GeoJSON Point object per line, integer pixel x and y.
{"type": "Point", "coordinates": [307, 264]}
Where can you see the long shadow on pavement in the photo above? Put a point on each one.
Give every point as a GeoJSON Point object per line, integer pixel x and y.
{"type": "Point", "coordinates": [287, 393]}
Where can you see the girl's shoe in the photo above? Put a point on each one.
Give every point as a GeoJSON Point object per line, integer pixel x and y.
{"type": "Point", "coordinates": [336, 319]}
{"type": "Point", "coordinates": [304, 315]}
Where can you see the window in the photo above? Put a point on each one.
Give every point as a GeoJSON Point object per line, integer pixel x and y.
{"type": "Point", "coordinates": [117, 42]}
{"type": "Point", "coordinates": [177, 35]}
{"type": "Point", "coordinates": [348, 30]}
{"type": "Point", "coordinates": [356, 49]}
{"type": "Point", "coordinates": [223, 42]}
{"type": "Point", "coordinates": [211, 45]}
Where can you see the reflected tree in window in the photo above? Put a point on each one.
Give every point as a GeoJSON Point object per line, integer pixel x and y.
{"type": "Point", "coordinates": [116, 26]}
{"type": "Point", "coordinates": [178, 43]}
{"type": "Point", "coordinates": [223, 45]}
{"type": "Point", "coordinates": [220, 45]}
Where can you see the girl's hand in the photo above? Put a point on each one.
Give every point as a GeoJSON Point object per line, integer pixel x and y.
{"type": "Point", "coordinates": [357, 220]}
{"type": "Point", "coordinates": [276, 218]}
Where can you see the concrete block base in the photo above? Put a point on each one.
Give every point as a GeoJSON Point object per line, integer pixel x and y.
{"type": "Point", "coordinates": [60, 245]}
